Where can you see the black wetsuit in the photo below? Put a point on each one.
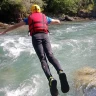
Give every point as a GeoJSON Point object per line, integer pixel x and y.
{"type": "Point", "coordinates": [42, 46]}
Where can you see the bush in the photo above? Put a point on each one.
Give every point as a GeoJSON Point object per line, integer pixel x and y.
{"type": "Point", "coordinates": [69, 7]}
{"type": "Point", "coordinates": [11, 10]}
{"type": "Point", "coordinates": [62, 6]}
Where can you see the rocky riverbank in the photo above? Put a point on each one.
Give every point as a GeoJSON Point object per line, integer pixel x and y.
{"type": "Point", "coordinates": [4, 25]}
{"type": "Point", "coordinates": [61, 18]}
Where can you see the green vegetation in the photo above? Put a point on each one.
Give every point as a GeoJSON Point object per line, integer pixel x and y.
{"type": "Point", "coordinates": [13, 10]}
{"type": "Point", "coordinates": [62, 6]}
{"type": "Point", "coordinates": [10, 10]}
{"type": "Point", "coordinates": [70, 7]}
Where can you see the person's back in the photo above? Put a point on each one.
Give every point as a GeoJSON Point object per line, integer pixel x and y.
{"type": "Point", "coordinates": [37, 23]}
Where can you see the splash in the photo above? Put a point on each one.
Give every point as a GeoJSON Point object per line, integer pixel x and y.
{"type": "Point", "coordinates": [13, 46]}
{"type": "Point", "coordinates": [27, 88]}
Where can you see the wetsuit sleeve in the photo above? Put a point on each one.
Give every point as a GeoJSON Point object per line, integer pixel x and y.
{"type": "Point", "coordinates": [26, 21]}
{"type": "Point", "coordinates": [49, 20]}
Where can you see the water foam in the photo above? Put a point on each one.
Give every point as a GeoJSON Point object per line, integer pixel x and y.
{"type": "Point", "coordinates": [27, 88]}
{"type": "Point", "coordinates": [14, 46]}
{"type": "Point", "coordinates": [77, 27]}
{"type": "Point", "coordinates": [55, 45]}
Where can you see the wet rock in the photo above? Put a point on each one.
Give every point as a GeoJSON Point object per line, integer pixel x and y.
{"type": "Point", "coordinates": [85, 81]}
{"type": "Point", "coordinates": [67, 18]}
{"type": "Point", "coordinates": [3, 25]}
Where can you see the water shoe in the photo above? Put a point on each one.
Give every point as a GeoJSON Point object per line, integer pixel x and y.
{"type": "Point", "coordinates": [53, 87]}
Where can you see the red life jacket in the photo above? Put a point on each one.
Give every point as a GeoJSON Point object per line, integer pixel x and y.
{"type": "Point", "coordinates": [37, 23]}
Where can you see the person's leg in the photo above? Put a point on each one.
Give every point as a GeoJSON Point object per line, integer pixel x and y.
{"type": "Point", "coordinates": [55, 63]}
{"type": "Point", "coordinates": [37, 44]}
{"type": "Point", "coordinates": [50, 55]}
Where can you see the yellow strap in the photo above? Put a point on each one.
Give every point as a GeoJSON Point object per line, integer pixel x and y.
{"type": "Point", "coordinates": [61, 71]}
{"type": "Point", "coordinates": [50, 80]}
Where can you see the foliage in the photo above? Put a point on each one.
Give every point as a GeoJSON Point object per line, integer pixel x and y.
{"type": "Point", "coordinates": [86, 4]}
{"type": "Point", "coordinates": [94, 1]}
{"type": "Point", "coordinates": [11, 10]}
{"type": "Point", "coordinates": [14, 8]}
{"type": "Point", "coordinates": [70, 7]}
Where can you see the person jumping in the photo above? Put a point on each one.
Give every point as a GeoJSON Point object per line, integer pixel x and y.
{"type": "Point", "coordinates": [38, 30]}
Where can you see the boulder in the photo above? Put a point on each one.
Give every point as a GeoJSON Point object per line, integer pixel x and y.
{"type": "Point", "coordinates": [67, 18]}
{"type": "Point", "coordinates": [3, 25]}
{"type": "Point", "coordinates": [85, 81]}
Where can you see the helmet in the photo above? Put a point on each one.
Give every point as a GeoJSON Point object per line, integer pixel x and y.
{"type": "Point", "coordinates": [35, 8]}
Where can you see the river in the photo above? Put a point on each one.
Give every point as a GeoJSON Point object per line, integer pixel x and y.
{"type": "Point", "coordinates": [73, 44]}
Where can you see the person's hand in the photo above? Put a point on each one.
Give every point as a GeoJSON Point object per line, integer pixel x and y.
{"type": "Point", "coordinates": [1, 33]}
{"type": "Point", "coordinates": [55, 21]}
{"type": "Point", "coordinates": [59, 22]}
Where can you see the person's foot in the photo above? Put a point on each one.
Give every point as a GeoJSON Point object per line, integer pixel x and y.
{"type": "Point", "coordinates": [64, 82]}
{"type": "Point", "coordinates": [53, 87]}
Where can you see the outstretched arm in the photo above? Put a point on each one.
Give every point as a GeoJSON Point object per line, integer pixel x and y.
{"type": "Point", "coordinates": [13, 27]}
{"type": "Point", "coordinates": [55, 21]}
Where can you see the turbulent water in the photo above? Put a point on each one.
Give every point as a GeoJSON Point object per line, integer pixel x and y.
{"type": "Point", "coordinates": [74, 45]}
